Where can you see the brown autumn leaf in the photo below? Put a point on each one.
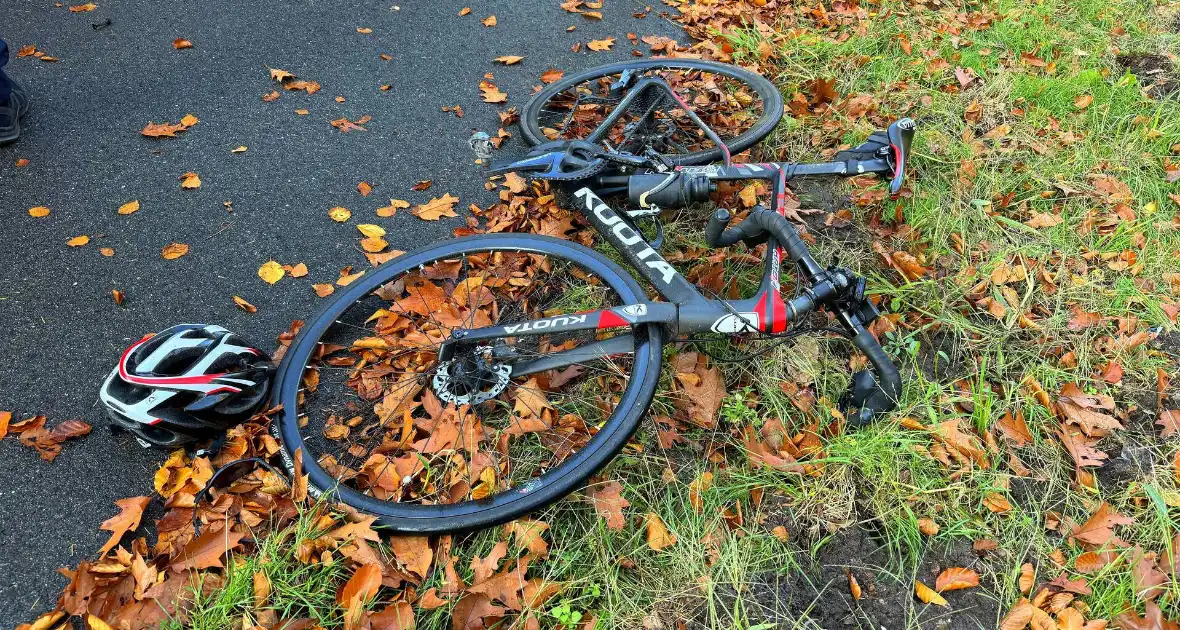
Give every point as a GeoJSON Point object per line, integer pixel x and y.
{"type": "Point", "coordinates": [394, 205]}
{"type": "Point", "coordinates": [118, 296]}
{"type": "Point", "coordinates": [1070, 619]}
{"type": "Point", "coordinates": [1027, 575]}
{"type": "Point", "coordinates": [364, 188]}
{"type": "Point", "coordinates": [490, 93]}
{"type": "Point", "coordinates": [702, 388]}
{"type": "Point", "coordinates": [323, 290]}
{"type": "Point", "coordinates": [437, 208]}
{"type": "Point", "coordinates": [422, 185]}
{"type": "Point", "coordinates": [106, 251]}
{"type": "Point", "coordinates": [83, 8]}
{"type": "Point", "coordinates": [464, 11]}
{"type": "Point", "coordinates": [130, 512]}
{"type": "Point", "coordinates": [1087, 410]}
{"type": "Point", "coordinates": [296, 271]}
{"type": "Point", "coordinates": [1018, 617]}
{"type": "Point", "coordinates": [509, 60]}
{"type": "Point", "coordinates": [997, 503]}
{"type": "Point", "coordinates": [1152, 619]}
{"type": "Point", "coordinates": [1043, 220]}
{"type": "Point", "coordinates": [68, 430]}
{"type": "Point", "coordinates": [489, 21]}
{"type": "Point", "coordinates": [927, 526]}
{"type": "Point", "coordinates": [1098, 529]}
{"type": "Point", "coordinates": [1169, 422]}
{"type": "Point", "coordinates": [206, 551]}
{"type": "Point", "coordinates": [551, 75]}
{"type": "Point", "coordinates": [244, 305]}
{"type": "Point", "coordinates": [601, 45]}
{"type": "Point", "coordinates": [928, 595]}
{"type": "Point", "coordinates": [908, 265]}
{"type": "Point", "coordinates": [363, 585]}
{"type": "Point", "coordinates": [1083, 101]}
{"type": "Point", "coordinates": [270, 96]}
{"type": "Point", "coordinates": [1092, 562]}
{"type": "Point", "coordinates": [181, 43]}
{"type": "Point", "coordinates": [1014, 428]}
{"type": "Point", "coordinates": [413, 553]}
{"type": "Point", "coordinates": [529, 534]}
{"type": "Point", "coordinates": [172, 251]}
{"type": "Point", "coordinates": [609, 503]}
{"type": "Point", "coordinates": [956, 578]}
{"type": "Point", "coordinates": [658, 536]}
{"type": "Point", "coordinates": [38, 211]}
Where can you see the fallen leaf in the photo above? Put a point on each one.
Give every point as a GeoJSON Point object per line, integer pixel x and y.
{"type": "Point", "coordinates": [1169, 422]}
{"type": "Point", "coordinates": [271, 272]}
{"type": "Point", "coordinates": [323, 290]}
{"type": "Point", "coordinates": [780, 533]}
{"type": "Point", "coordinates": [339, 215]}
{"type": "Point", "coordinates": [130, 207]}
{"type": "Point", "coordinates": [364, 30]}
{"type": "Point", "coordinates": [1098, 529]}
{"type": "Point", "coordinates": [1083, 101]}
{"type": "Point", "coordinates": [997, 503]}
{"type": "Point", "coordinates": [374, 244]}
{"type": "Point", "coordinates": [609, 503]}
{"type": "Point", "coordinates": [854, 586]}
{"type": "Point", "coordinates": [363, 585]}
{"type": "Point", "coordinates": [464, 11]}
{"type": "Point", "coordinates": [206, 550]}
{"type": "Point", "coordinates": [364, 188]}
{"type": "Point", "coordinates": [437, 208]}
{"type": "Point", "coordinates": [78, 241]}
{"type": "Point", "coordinates": [928, 595]}
{"type": "Point", "coordinates": [22, 162]}
{"type": "Point", "coordinates": [190, 180]}
{"type": "Point", "coordinates": [601, 45]}
{"type": "Point", "coordinates": [928, 526]}
{"type": "Point", "coordinates": [244, 305]}
{"type": "Point", "coordinates": [181, 43]}
{"type": "Point", "coordinates": [130, 512]}
{"type": "Point", "coordinates": [489, 21]}
{"type": "Point", "coordinates": [83, 8]}
{"type": "Point", "coordinates": [956, 578]}
{"type": "Point", "coordinates": [271, 96]}
{"type": "Point", "coordinates": [38, 212]}
{"type": "Point", "coordinates": [509, 60]}
{"type": "Point", "coordinates": [390, 210]}
{"type": "Point", "coordinates": [172, 251]}
{"type": "Point", "coordinates": [551, 75]}
{"type": "Point", "coordinates": [297, 271]}
{"type": "Point", "coordinates": [491, 93]}
{"type": "Point", "coordinates": [106, 251]}
{"type": "Point", "coordinates": [658, 536]}
{"type": "Point", "coordinates": [368, 229]}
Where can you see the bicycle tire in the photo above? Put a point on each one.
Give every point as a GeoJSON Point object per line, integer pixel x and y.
{"type": "Point", "coordinates": [772, 99]}
{"type": "Point", "coordinates": [509, 504]}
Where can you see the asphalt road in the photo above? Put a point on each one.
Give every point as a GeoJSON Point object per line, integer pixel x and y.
{"type": "Point", "coordinates": [61, 329]}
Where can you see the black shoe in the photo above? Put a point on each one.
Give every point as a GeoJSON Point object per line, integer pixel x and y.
{"type": "Point", "coordinates": [11, 112]}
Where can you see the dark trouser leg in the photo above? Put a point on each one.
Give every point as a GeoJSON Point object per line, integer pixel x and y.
{"type": "Point", "coordinates": [5, 84]}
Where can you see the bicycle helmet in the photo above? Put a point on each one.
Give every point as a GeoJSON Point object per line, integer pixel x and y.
{"type": "Point", "coordinates": [186, 383]}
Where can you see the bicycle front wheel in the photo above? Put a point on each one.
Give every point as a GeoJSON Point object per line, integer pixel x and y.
{"type": "Point", "coordinates": [432, 446]}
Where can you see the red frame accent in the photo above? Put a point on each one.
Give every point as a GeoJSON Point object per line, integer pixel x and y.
{"type": "Point", "coordinates": [166, 380]}
{"type": "Point", "coordinates": [609, 319]}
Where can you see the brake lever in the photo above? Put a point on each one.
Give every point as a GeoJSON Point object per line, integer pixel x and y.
{"type": "Point", "coordinates": [901, 136]}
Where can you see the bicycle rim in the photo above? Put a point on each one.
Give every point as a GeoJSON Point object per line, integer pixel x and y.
{"type": "Point", "coordinates": [740, 106]}
{"type": "Point", "coordinates": [362, 396]}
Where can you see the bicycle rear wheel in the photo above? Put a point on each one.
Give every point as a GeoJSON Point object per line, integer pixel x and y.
{"type": "Point", "coordinates": [739, 105]}
{"type": "Point", "coordinates": [434, 447]}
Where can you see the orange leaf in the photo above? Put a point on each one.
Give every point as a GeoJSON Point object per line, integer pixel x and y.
{"type": "Point", "coordinates": [323, 290]}
{"type": "Point", "coordinates": [181, 43]}
{"type": "Point", "coordinates": [78, 241]}
{"type": "Point", "coordinates": [928, 526]}
{"type": "Point", "coordinates": [658, 536]}
{"type": "Point", "coordinates": [609, 503]}
{"type": "Point", "coordinates": [363, 585]}
{"type": "Point", "coordinates": [601, 45]}
{"type": "Point", "coordinates": [118, 297]}
{"type": "Point", "coordinates": [853, 586]}
{"type": "Point", "coordinates": [1098, 529]}
{"type": "Point", "coordinates": [489, 21]}
{"type": "Point", "coordinates": [83, 8]}
{"type": "Point", "coordinates": [997, 503]}
{"type": "Point", "coordinates": [956, 578]}
{"type": "Point", "coordinates": [927, 594]}
{"type": "Point", "coordinates": [1027, 575]}
{"type": "Point", "coordinates": [131, 207]}
{"type": "Point", "coordinates": [509, 60]}
{"type": "Point", "coordinates": [413, 553]}
{"type": "Point", "coordinates": [1083, 101]}
{"type": "Point", "coordinates": [437, 208]}
{"type": "Point", "coordinates": [551, 75]}
{"type": "Point", "coordinates": [491, 93]}
{"type": "Point", "coordinates": [190, 181]}
{"type": "Point", "coordinates": [38, 211]}
{"type": "Point", "coordinates": [206, 550]}
{"type": "Point", "coordinates": [1018, 617]}
{"type": "Point", "coordinates": [172, 251]}
{"type": "Point", "coordinates": [364, 188]}
{"type": "Point", "coordinates": [130, 512]}
{"type": "Point", "coordinates": [244, 305]}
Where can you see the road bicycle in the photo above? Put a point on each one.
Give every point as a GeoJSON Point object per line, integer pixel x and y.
{"type": "Point", "coordinates": [471, 382]}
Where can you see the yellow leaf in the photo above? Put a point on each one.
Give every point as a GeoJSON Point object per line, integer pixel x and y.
{"type": "Point", "coordinates": [244, 305]}
{"type": "Point", "coordinates": [373, 244]}
{"type": "Point", "coordinates": [509, 60]}
{"type": "Point", "coordinates": [130, 207]}
{"type": "Point", "coordinates": [491, 93]}
{"type": "Point", "coordinates": [38, 211]}
{"type": "Point", "coordinates": [94, 623]}
{"type": "Point", "coordinates": [340, 215]}
{"type": "Point", "coordinates": [489, 20]}
{"type": "Point", "coordinates": [189, 120]}
{"type": "Point", "coordinates": [83, 8]}
{"type": "Point", "coordinates": [301, 112]}
{"type": "Point", "coordinates": [927, 594]}
{"type": "Point", "coordinates": [271, 272]}
{"type": "Point", "coordinates": [190, 180]}
{"type": "Point", "coordinates": [78, 241]}
{"type": "Point", "coordinates": [601, 44]}
{"type": "Point", "coordinates": [323, 290]}
{"type": "Point", "coordinates": [486, 485]}
{"type": "Point", "coordinates": [172, 251]}
{"type": "Point", "coordinates": [658, 536]}
{"type": "Point", "coordinates": [749, 195]}
{"type": "Point", "coordinates": [241, 149]}
{"type": "Point", "coordinates": [368, 229]}
{"type": "Point", "coordinates": [347, 279]}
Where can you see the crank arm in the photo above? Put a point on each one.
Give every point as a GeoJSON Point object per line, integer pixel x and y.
{"type": "Point", "coordinates": [622, 344]}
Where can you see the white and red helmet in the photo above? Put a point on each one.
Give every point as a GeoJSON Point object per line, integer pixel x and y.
{"type": "Point", "coordinates": [186, 383]}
